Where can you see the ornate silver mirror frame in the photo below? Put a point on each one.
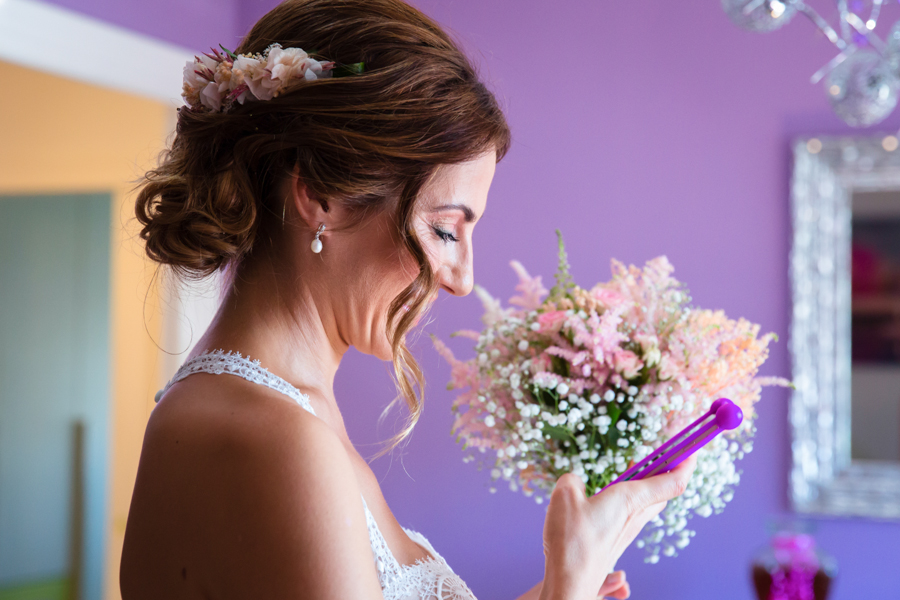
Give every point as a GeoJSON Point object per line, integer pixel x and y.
{"type": "Point", "coordinates": [824, 478]}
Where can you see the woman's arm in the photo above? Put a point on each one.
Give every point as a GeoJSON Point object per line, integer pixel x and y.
{"type": "Point", "coordinates": [246, 496]}
{"type": "Point", "coordinates": [306, 534]}
{"type": "Point", "coordinates": [532, 594]}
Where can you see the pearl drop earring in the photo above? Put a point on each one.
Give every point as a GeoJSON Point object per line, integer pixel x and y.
{"type": "Point", "coordinates": [316, 245]}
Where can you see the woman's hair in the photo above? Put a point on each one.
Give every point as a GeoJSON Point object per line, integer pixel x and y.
{"type": "Point", "coordinates": [368, 141]}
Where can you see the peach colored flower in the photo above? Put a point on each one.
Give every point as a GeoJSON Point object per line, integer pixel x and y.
{"type": "Point", "coordinates": [245, 70]}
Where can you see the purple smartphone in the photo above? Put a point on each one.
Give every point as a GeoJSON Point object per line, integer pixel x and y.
{"type": "Point", "coordinates": [723, 415]}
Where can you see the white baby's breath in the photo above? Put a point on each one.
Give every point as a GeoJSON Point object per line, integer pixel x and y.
{"type": "Point", "coordinates": [591, 382]}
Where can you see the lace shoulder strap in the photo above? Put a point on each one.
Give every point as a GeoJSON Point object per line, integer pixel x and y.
{"type": "Point", "coordinates": [232, 363]}
{"type": "Point", "coordinates": [389, 569]}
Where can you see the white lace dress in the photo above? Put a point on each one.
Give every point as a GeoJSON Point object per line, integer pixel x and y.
{"type": "Point", "coordinates": [428, 579]}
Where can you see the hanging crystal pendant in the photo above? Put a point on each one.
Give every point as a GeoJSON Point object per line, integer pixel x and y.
{"type": "Point", "coordinates": [863, 88]}
{"type": "Point", "coordinates": [759, 15]}
{"type": "Point", "coordinates": [892, 51]}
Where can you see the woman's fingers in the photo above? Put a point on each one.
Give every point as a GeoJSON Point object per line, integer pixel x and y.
{"type": "Point", "coordinates": [583, 537]}
{"type": "Point", "coordinates": [660, 488]}
{"type": "Point", "coordinates": [615, 586]}
{"type": "Point", "coordinates": [570, 481]}
{"type": "Point", "coordinates": [622, 593]}
{"type": "Point", "coordinates": [613, 582]}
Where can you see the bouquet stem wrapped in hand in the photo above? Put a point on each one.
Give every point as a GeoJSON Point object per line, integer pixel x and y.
{"type": "Point", "coordinates": [592, 381]}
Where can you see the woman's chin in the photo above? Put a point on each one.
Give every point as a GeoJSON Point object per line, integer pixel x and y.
{"type": "Point", "coordinates": [381, 350]}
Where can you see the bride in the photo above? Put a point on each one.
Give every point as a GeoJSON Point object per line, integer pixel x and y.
{"type": "Point", "coordinates": [338, 198]}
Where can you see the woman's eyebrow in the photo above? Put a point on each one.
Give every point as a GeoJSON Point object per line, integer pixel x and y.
{"type": "Point", "coordinates": [466, 211]}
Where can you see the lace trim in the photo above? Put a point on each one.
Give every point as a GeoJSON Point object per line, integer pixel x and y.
{"type": "Point", "coordinates": [232, 363]}
{"type": "Point", "coordinates": [426, 579]}
{"type": "Point", "coordinates": [388, 567]}
{"type": "Point", "coordinates": [432, 580]}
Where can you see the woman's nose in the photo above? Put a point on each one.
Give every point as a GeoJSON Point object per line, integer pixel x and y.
{"type": "Point", "coordinates": [457, 279]}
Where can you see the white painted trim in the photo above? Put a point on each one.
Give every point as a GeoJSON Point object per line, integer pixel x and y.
{"type": "Point", "coordinates": [188, 308]}
{"type": "Point", "coordinates": [67, 43]}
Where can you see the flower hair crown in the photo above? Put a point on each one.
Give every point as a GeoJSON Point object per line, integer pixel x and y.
{"type": "Point", "coordinates": [214, 82]}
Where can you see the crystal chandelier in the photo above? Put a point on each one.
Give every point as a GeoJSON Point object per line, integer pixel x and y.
{"type": "Point", "coordinates": [863, 80]}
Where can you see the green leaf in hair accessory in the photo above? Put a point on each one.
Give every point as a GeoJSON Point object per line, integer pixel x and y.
{"type": "Point", "coordinates": [346, 70]}
{"type": "Point", "coordinates": [230, 54]}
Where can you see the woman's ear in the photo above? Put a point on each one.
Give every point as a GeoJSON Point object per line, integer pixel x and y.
{"type": "Point", "coordinates": [311, 210]}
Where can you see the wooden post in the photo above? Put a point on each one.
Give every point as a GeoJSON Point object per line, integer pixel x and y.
{"type": "Point", "coordinates": [76, 532]}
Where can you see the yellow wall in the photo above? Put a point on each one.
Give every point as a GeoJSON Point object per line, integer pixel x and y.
{"type": "Point", "coordinates": [61, 136]}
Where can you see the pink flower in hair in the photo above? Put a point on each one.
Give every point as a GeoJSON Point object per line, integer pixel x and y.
{"type": "Point", "coordinates": [284, 65]}
{"type": "Point", "coordinates": [216, 80]}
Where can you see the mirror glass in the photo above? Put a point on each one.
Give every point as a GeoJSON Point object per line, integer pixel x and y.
{"type": "Point", "coordinates": [875, 325]}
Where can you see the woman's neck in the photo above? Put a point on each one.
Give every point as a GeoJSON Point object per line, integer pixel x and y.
{"type": "Point", "coordinates": [283, 323]}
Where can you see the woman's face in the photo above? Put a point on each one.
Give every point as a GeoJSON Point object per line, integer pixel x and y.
{"type": "Point", "coordinates": [444, 218]}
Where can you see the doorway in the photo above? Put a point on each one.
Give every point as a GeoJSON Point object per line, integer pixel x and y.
{"type": "Point", "coordinates": [54, 394]}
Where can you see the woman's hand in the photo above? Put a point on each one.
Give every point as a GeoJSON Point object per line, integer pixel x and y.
{"type": "Point", "coordinates": [584, 537]}
{"type": "Point", "coordinates": [615, 586]}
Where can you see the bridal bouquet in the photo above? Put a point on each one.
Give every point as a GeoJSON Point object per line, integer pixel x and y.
{"type": "Point", "coordinates": [592, 381]}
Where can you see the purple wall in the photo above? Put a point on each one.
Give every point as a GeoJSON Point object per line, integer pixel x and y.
{"type": "Point", "coordinates": [194, 24]}
{"type": "Point", "coordinates": [640, 128]}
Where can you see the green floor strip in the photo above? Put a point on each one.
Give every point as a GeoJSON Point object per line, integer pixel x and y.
{"type": "Point", "coordinates": [46, 589]}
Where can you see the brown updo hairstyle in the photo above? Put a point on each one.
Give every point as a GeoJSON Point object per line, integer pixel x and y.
{"type": "Point", "coordinates": [368, 141]}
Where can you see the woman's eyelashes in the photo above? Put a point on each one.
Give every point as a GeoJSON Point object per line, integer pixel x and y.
{"type": "Point", "coordinates": [443, 234]}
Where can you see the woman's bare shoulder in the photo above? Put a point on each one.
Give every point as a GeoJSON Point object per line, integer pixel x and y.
{"type": "Point", "coordinates": [240, 491]}
{"type": "Point", "coordinates": [212, 409]}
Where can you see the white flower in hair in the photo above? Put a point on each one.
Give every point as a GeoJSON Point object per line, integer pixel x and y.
{"type": "Point", "coordinates": [210, 97]}
{"type": "Point", "coordinates": [215, 81]}
{"type": "Point", "coordinates": [246, 70]}
{"type": "Point", "coordinates": [197, 74]}
{"type": "Point", "coordinates": [284, 64]}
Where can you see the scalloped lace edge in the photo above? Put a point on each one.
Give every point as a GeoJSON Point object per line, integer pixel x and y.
{"type": "Point", "coordinates": [232, 363]}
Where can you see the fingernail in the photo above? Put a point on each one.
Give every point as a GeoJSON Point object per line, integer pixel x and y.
{"type": "Point", "coordinates": [616, 577]}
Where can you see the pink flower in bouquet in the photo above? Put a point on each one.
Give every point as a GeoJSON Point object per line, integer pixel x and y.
{"type": "Point", "coordinates": [590, 382]}
{"type": "Point", "coordinates": [551, 322]}
{"type": "Point", "coordinates": [628, 364]}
